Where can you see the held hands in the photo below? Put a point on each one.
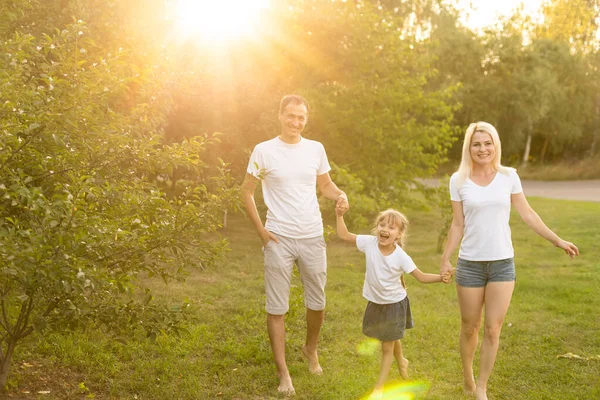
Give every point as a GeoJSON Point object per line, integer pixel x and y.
{"type": "Point", "coordinates": [341, 205]}
{"type": "Point", "coordinates": [568, 247]}
{"type": "Point", "coordinates": [446, 271]}
{"type": "Point", "coordinates": [446, 277]}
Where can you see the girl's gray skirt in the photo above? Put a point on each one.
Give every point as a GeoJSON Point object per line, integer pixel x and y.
{"type": "Point", "coordinates": [387, 322]}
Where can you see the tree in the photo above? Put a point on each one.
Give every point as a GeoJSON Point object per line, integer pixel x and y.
{"type": "Point", "coordinates": [84, 208]}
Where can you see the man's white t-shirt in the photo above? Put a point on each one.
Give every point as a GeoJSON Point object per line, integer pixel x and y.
{"type": "Point", "coordinates": [289, 177]}
{"type": "Point", "coordinates": [487, 235]}
{"type": "Point", "coordinates": [382, 278]}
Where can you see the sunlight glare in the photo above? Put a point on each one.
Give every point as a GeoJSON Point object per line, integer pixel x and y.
{"type": "Point", "coordinates": [403, 391]}
{"type": "Point", "coordinates": [218, 20]}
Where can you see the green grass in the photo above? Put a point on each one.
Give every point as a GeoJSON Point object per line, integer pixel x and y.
{"type": "Point", "coordinates": [588, 168]}
{"type": "Point", "coordinates": [227, 355]}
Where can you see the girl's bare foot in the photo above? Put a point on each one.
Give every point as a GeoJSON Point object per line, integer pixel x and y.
{"type": "Point", "coordinates": [469, 386]}
{"type": "Point", "coordinates": [313, 361]}
{"type": "Point", "coordinates": [480, 393]}
{"type": "Point", "coordinates": [404, 368]}
{"type": "Point", "coordinates": [285, 385]}
{"type": "Point", "coordinates": [377, 394]}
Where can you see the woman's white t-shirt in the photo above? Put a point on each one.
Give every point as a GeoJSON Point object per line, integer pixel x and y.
{"type": "Point", "coordinates": [288, 174]}
{"type": "Point", "coordinates": [382, 277]}
{"type": "Point", "coordinates": [487, 235]}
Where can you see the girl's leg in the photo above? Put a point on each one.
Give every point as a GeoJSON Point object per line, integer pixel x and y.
{"type": "Point", "coordinates": [471, 302]}
{"type": "Point", "coordinates": [497, 300]}
{"type": "Point", "coordinates": [402, 362]}
{"type": "Point", "coordinates": [387, 356]}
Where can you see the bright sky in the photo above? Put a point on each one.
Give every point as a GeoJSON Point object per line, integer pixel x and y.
{"type": "Point", "coordinates": [487, 11]}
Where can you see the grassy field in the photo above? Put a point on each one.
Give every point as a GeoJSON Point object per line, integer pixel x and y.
{"type": "Point", "coordinates": [227, 354]}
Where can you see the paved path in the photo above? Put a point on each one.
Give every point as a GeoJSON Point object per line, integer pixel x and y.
{"type": "Point", "coordinates": [566, 190]}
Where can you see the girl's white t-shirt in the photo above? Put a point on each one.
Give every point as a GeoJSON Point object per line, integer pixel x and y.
{"type": "Point", "coordinates": [288, 174]}
{"type": "Point", "coordinates": [487, 235]}
{"type": "Point", "coordinates": [382, 277]}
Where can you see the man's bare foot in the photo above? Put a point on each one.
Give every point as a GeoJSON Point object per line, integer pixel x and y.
{"type": "Point", "coordinates": [480, 393]}
{"type": "Point", "coordinates": [285, 386]}
{"type": "Point", "coordinates": [469, 386]}
{"type": "Point", "coordinates": [313, 361]}
{"type": "Point", "coordinates": [404, 368]}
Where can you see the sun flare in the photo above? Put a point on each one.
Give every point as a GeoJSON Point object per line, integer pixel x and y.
{"type": "Point", "coordinates": [218, 20]}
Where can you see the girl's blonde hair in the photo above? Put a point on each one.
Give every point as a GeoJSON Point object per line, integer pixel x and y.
{"type": "Point", "coordinates": [466, 162]}
{"type": "Point", "coordinates": [398, 219]}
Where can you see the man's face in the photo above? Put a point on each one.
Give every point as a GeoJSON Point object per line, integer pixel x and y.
{"type": "Point", "coordinates": [293, 119]}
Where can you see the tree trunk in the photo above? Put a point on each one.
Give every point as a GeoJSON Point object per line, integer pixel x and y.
{"type": "Point", "coordinates": [5, 360]}
{"type": "Point", "coordinates": [544, 149]}
{"type": "Point", "coordinates": [527, 150]}
{"type": "Point", "coordinates": [225, 219]}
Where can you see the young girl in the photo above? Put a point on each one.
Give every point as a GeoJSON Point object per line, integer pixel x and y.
{"type": "Point", "coordinates": [388, 311]}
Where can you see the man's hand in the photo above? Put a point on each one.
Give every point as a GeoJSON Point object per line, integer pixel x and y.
{"type": "Point", "coordinates": [267, 236]}
{"type": "Point", "coordinates": [342, 203]}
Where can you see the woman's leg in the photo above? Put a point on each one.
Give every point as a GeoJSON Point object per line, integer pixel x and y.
{"type": "Point", "coordinates": [471, 302]}
{"type": "Point", "coordinates": [402, 362]}
{"type": "Point", "coordinates": [387, 356]}
{"type": "Point", "coordinates": [497, 300]}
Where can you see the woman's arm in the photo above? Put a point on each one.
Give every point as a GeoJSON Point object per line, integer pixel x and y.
{"type": "Point", "coordinates": [533, 220]}
{"type": "Point", "coordinates": [424, 277]}
{"type": "Point", "coordinates": [342, 230]}
{"type": "Point", "coordinates": [454, 236]}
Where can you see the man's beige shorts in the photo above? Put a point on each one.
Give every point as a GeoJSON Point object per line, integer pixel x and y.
{"type": "Point", "coordinates": [310, 257]}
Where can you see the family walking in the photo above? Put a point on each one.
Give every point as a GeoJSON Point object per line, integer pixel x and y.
{"type": "Point", "coordinates": [291, 167]}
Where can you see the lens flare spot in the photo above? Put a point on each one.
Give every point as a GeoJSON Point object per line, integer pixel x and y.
{"type": "Point", "coordinates": [401, 391]}
{"type": "Point", "coordinates": [368, 347]}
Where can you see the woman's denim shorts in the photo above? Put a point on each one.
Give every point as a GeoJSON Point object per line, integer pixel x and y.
{"type": "Point", "coordinates": [480, 273]}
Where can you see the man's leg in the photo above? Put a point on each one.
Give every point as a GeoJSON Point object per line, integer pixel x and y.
{"type": "Point", "coordinates": [276, 329]}
{"type": "Point", "coordinates": [279, 261]}
{"type": "Point", "coordinates": [314, 321]}
{"type": "Point", "coordinates": [312, 265]}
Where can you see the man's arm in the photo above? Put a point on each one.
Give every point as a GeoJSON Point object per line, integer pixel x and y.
{"type": "Point", "coordinates": [248, 188]}
{"type": "Point", "coordinates": [329, 189]}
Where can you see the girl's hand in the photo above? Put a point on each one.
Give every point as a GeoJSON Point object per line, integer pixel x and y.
{"type": "Point", "coordinates": [446, 277]}
{"type": "Point", "coordinates": [568, 247]}
{"type": "Point", "coordinates": [341, 208]}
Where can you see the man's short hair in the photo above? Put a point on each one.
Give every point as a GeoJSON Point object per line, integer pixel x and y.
{"type": "Point", "coordinates": [293, 99]}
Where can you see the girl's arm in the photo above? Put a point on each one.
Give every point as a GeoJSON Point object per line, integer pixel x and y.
{"type": "Point", "coordinates": [533, 220]}
{"type": "Point", "coordinates": [425, 277]}
{"type": "Point", "coordinates": [454, 236]}
{"type": "Point", "coordinates": [342, 230]}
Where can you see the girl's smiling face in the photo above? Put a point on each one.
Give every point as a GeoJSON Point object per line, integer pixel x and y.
{"type": "Point", "coordinates": [483, 150]}
{"type": "Point", "coordinates": [388, 232]}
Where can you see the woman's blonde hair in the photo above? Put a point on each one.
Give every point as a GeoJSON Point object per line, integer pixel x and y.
{"type": "Point", "coordinates": [398, 219]}
{"type": "Point", "coordinates": [466, 162]}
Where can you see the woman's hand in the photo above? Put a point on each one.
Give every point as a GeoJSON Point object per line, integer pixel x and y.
{"type": "Point", "coordinates": [568, 247]}
{"type": "Point", "coordinates": [446, 268]}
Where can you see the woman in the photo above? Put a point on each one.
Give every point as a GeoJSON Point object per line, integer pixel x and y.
{"type": "Point", "coordinates": [482, 191]}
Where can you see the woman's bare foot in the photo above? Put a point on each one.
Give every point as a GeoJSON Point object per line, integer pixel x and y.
{"type": "Point", "coordinates": [403, 367]}
{"type": "Point", "coordinates": [469, 386]}
{"type": "Point", "coordinates": [480, 393]}
{"type": "Point", "coordinates": [313, 361]}
{"type": "Point", "coordinates": [285, 385]}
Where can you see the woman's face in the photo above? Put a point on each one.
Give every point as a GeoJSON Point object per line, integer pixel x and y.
{"type": "Point", "coordinates": [483, 150]}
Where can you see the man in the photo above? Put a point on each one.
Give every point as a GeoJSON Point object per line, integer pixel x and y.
{"type": "Point", "coordinates": [289, 167]}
